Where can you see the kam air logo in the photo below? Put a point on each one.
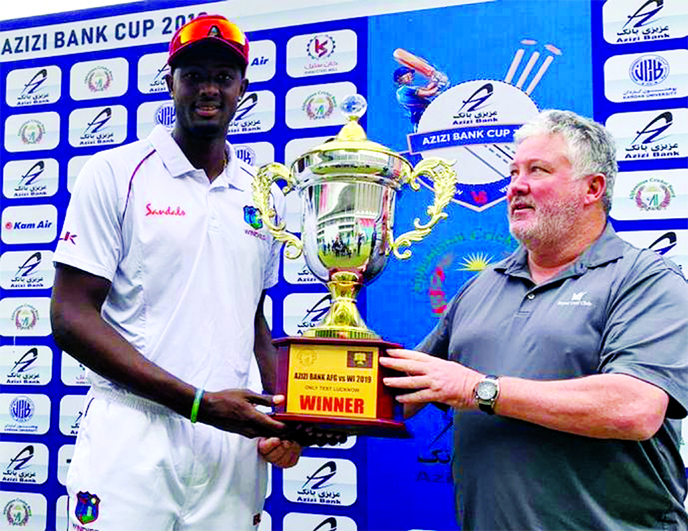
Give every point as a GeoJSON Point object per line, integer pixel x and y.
{"type": "Point", "coordinates": [474, 123]}
{"type": "Point", "coordinates": [649, 70]}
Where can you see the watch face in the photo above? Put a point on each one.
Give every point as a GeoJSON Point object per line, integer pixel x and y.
{"type": "Point", "coordinates": [486, 390]}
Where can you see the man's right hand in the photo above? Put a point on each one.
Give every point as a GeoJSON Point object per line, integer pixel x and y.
{"type": "Point", "coordinates": [235, 410]}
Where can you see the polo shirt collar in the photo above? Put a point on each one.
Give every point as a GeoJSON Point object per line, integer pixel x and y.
{"type": "Point", "coordinates": [607, 248]}
{"type": "Point", "coordinates": [178, 165]}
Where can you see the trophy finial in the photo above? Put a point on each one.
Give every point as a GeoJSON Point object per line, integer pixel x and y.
{"type": "Point", "coordinates": [353, 107]}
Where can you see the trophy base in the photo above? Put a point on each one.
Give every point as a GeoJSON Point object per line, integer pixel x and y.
{"type": "Point", "coordinates": [336, 384]}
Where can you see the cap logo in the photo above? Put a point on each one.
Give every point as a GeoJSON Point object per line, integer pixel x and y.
{"type": "Point", "coordinates": [215, 32]}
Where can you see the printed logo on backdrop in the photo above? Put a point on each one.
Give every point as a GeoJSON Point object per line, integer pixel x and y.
{"type": "Point", "coordinates": [17, 512]}
{"type": "Point", "coordinates": [24, 413]}
{"type": "Point", "coordinates": [25, 365]}
{"type": "Point", "coordinates": [648, 76]}
{"type": "Point", "coordinates": [70, 414]}
{"type": "Point", "coordinates": [317, 105]}
{"type": "Point", "coordinates": [255, 113]}
{"type": "Point", "coordinates": [297, 272]}
{"type": "Point", "coordinates": [454, 260]}
{"type": "Point", "coordinates": [64, 459]}
{"type": "Point", "coordinates": [25, 316]}
{"type": "Point", "coordinates": [671, 244]}
{"type": "Point", "coordinates": [98, 126]}
{"type": "Point", "coordinates": [632, 21]}
{"type": "Point", "coordinates": [651, 135]}
{"type": "Point", "coordinates": [658, 194]}
{"type": "Point", "coordinates": [263, 62]}
{"type": "Point", "coordinates": [72, 372]}
{"type": "Point", "coordinates": [317, 522]}
{"type": "Point", "coordinates": [33, 86]}
{"type": "Point", "coordinates": [32, 132]}
{"type": "Point", "coordinates": [473, 122]}
{"type": "Point", "coordinates": [23, 463]}
{"type": "Point", "coordinates": [321, 481]}
{"type": "Point", "coordinates": [29, 224]}
{"type": "Point", "coordinates": [322, 53]}
{"type": "Point", "coordinates": [256, 153]}
{"type": "Point", "coordinates": [27, 270]}
{"type": "Point", "coordinates": [303, 311]}
{"type": "Point", "coordinates": [152, 113]}
{"type": "Point", "coordinates": [107, 78]}
{"type": "Point", "coordinates": [152, 69]}
{"type": "Point", "coordinates": [30, 178]}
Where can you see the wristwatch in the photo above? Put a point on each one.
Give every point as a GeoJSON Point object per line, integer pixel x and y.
{"type": "Point", "coordinates": [486, 393]}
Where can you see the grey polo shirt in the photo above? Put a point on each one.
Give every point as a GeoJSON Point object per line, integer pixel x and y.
{"type": "Point", "coordinates": [617, 309]}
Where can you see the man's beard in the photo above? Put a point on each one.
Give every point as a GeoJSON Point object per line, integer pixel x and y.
{"type": "Point", "coordinates": [552, 222]}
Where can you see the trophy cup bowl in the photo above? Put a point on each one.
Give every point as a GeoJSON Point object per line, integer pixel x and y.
{"type": "Point", "coordinates": [348, 186]}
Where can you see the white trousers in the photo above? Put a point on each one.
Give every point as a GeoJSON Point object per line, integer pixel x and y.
{"type": "Point", "coordinates": [139, 466]}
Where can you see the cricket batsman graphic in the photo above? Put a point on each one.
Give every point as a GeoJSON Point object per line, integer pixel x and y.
{"type": "Point", "coordinates": [415, 98]}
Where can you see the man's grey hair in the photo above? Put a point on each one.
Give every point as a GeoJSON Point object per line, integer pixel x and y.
{"type": "Point", "coordinates": [591, 148]}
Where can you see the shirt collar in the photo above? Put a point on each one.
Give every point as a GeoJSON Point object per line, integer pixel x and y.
{"type": "Point", "coordinates": [178, 165]}
{"type": "Point", "coordinates": [607, 248]}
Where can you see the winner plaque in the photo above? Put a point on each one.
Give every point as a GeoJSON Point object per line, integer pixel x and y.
{"type": "Point", "coordinates": [331, 375]}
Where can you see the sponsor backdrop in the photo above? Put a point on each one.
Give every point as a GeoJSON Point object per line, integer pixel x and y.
{"type": "Point", "coordinates": [80, 82]}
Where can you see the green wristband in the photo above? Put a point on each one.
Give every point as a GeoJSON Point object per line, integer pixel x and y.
{"type": "Point", "coordinates": [196, 405]}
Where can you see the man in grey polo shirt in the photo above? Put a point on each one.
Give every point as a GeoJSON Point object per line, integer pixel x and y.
{"type": "Point", "coordinates": [575, 348]}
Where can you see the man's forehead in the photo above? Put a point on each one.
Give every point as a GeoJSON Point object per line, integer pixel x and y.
{"type": "Point", "coordinates": [204, 54]}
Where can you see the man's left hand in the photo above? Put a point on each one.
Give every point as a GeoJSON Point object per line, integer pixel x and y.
{"type": "Point", "coordinates": [432, 379]}
{"type": "Point", "coordinates": [281, 453]}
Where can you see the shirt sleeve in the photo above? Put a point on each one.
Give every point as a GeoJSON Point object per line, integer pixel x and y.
{"type": "Point", "coordinates": [272, 268]}
{"type": "Point", "coordinates": [91, 235]}
{"type": "Point", "coordinates": [646, 334]}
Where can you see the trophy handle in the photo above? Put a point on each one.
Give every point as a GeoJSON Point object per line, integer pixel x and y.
{"type": "Point", "coordinates": [262, 182]}
{"type": "Point", "coordinates": [444, 179]}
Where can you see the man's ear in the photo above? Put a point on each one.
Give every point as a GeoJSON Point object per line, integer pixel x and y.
{"type": "Point", "coordinates": [597, 187]}
{"type": "Point", "coordinates": [169, 80]}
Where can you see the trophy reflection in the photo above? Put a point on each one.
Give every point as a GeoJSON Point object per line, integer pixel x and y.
{"type": "Point", "coordinates": [348, 186]}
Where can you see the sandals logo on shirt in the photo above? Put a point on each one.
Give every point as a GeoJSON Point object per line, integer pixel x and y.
{"type": "Point", "coordinates": [86, 510]}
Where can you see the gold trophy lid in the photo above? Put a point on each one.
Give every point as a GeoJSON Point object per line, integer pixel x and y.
{"type": "Point", "coordinates": [352, 136]}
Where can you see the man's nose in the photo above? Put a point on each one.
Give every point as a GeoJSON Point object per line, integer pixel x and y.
{"type": "Point", "coordinates": [517, 186]}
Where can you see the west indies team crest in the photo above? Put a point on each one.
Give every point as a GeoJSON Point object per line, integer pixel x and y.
{"type": "Point", "coordinates": [473, 123]}
{"type": "Point", "coordinates": [86, 510]}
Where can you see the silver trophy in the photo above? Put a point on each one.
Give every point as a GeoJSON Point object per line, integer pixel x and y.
{"type": "Point", "coordinates": [348, 188]}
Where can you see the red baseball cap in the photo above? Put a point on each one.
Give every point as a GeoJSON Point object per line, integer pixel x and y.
{"type": "Point", "coordinates": [209, 28]}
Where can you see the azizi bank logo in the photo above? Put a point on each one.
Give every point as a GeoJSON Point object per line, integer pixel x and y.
{"type": "Point", "coordinates": [473, 123]}
{"type": "Point", "coordinates": [577, 299]}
